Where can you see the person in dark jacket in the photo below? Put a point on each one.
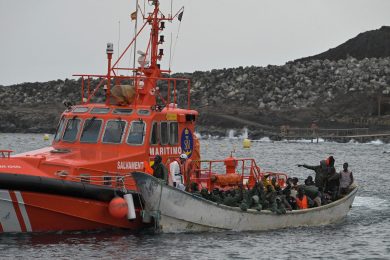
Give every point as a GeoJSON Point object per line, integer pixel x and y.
{"type": "Point", "coordinates": [333, 184]}
{"type": "Point", "coordinates": [291, 200]}
{"type": "Point", "coordinates": [270, 198]}
{"type": "Point", "coordinates": [321, 173]}
{"type": "Point", "coordinates": [159, 169]}
{"type": "Point", "coordinates": [309, 181]}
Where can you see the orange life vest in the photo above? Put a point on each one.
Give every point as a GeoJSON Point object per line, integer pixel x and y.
{"type": "Point", "coordinates": [302, 204]}
{"type": "Point", "coordinates": [186, 171]}
{"type": "Point", "coordinates": [147, 167]}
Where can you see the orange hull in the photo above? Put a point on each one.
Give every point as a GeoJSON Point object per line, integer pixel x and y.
{"type": "Point", "coordinates": [37, 212]}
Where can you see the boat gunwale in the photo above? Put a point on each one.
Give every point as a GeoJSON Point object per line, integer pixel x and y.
{"type": "Point", "coordinates": [253, 211]}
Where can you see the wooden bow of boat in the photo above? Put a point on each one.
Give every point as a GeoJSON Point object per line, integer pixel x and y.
{"type": "Point", "coordinates": [180, 211]}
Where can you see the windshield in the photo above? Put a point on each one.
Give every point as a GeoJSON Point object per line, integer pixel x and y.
{"type": "Point", "coordinates": [60, 128]}
{"type": "Point", "coordinates": [114, 131]}
{"type": "Point", "coordinates": [71, 130]}
{"type": "Point", "coordinates": [91, 130]}
{"type": "Point", "coordinates": [136, 133]}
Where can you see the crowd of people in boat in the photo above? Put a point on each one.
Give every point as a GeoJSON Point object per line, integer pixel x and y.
{"type": "Point", "coordinates": [328, 186]}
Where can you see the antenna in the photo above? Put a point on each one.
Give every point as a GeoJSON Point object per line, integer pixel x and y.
{"type": "Point", "coordinates": [135, 31]}
{"type": "Point", "coordinates": [119, 37]}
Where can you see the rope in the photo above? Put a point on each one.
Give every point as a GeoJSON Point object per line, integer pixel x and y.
{"type": "Point", "coordinates": [174, 46]}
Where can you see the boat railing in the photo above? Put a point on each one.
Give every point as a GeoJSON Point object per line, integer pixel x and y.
{"type": "Point", "coordinates": [226, 173]}
{"type": "Point", "coordinates": [5, 154]}
{"type": "Point", "coordinates": [169, 94]}
{"type": "Point", "coordinates": [97, 177]}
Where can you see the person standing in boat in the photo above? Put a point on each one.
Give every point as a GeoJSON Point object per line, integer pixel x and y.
{"type": "Point", "coordinates": [321, 173]}
{"type": "Point", "coordinates": [333, 183]}
{"type": "Point", "coordinates": [175, 175]}
{"type": "Point", "coordinates": [159, 169]}
{"type": "Point", "coordinates": [186, 169]}
{"type": "Point", "coordinates": [346, 179]}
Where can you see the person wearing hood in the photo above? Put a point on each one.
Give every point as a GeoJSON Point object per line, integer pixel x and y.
{"type": "Point", "coordinates": [159, 169]}
{"type": "Point", "coordinates": [321, 173]}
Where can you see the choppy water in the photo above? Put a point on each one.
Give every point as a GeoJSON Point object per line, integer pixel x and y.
{"type": "Point", "coordinates": [364, 234]}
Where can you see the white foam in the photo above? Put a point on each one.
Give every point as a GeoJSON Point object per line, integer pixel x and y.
{"type": "Point", "coordinates": [370, 202]}
{"type": "Point", "coordinates": [231, 133]}
{"type": "Point", "coordinates": [244, 133]}
{"type": "Point", "coordinates": [320, 140]}
{"type": "Point", "coordinates": [265, 140]}
{"type": "Point", "coordinates": [376, 142]}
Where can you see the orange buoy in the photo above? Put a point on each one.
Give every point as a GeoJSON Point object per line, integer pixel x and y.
{"type": "Point", "coordinates": [118, 207]}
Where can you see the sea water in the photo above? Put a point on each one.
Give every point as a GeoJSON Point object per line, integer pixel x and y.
{"type": "Point", "coordinates": [363, 234]}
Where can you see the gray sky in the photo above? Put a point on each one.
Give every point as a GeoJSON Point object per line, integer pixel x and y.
{"type": "Point", "coordinates": [52, 39]}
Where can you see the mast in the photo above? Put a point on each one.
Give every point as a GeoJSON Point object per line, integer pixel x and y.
{"type": "Point", "coordinates": [148, 71]}
{"type": "Point", "coordinates": [154, 35]}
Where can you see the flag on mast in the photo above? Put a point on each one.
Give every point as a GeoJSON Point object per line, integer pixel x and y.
{"type": "Point", "coordinates": [180, 16]}
{"type": "Point", "coordinates": [133, 15]}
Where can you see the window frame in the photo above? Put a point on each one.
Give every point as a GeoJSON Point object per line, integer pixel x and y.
{"type": "Point", "coordinates": [105, 127]}
{"type": "Point", "coordinates": [168, 141]}
{"type": "Point", "coordinates": [80, 112]}
{"type": "Point", "coordinates": [106, 111]}
{"type": "Point", "coordinates": [63, 120]}
{"type": "Point", "coordinates": [141, 111]}
{"type": "Point", "coordinates": [126, 114]}
{"type": "Point", "coordinates": [169, 132]}
{"type": "Point", "coordinates": [100, 130]}
{"type": "Point", "coordinates": [78, 131]}
{"type": "Point", "coordinates": [129, 131]}
{"type": "Point", "coordinates": [158, 133]}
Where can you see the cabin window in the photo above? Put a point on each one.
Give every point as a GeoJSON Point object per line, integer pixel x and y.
{"type": "Point", "coordinates": [80, 110]}
{"type": "Point", "coordinates": [71, 130]}
{"type": "Point", "coordinates": [164, 133]}
{"type": "Point", "coordinates": [173, 133]}
{"type": "Point", "coordinates": [60, 128]}
{"type": "Point", "coordinates": [143, 112]}
{"type": "Point", "coordinates": [154, 134]}
{"type": "Point", "coordinates": [114, 131]}
{"type": "Point", "coordinates": [123, 111]}
{"type": "Point", "coordinates": [100, 110]}
{"type": "Point", "coordinates": [136, 133]}
{"type": "Point", "coordinates": [91, 130]}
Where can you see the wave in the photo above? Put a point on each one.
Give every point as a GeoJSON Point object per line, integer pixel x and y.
{"type": "Point", "coordinates": [373, 203]}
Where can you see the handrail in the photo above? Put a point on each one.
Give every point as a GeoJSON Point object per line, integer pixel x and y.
{"type": "Point", "coordinates": [5, 154]}
{"type": "Point", "coordinates": [246, 168]}
{"type": "Point", "coordinates": [136, 79]}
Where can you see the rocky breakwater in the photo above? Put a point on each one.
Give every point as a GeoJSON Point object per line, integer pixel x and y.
{"type": "Point", "coordinates": [35, 107]}
{"type": "Point", "coordinates": [331, 93]}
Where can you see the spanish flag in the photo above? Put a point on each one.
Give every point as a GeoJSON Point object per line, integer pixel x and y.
{"type": "Point", "coordinates": [133, 16]}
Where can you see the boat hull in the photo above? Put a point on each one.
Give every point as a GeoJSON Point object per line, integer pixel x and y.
{"type": "Point", "coordinates": [23, 211]}
{"type": "Point", "coordinates": [179, 211]}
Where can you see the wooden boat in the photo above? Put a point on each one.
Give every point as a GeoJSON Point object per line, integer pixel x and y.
{"type": "Point", "coordinates": [179, 211]}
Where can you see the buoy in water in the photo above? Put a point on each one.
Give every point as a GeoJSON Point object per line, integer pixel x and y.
{"type": "Point", "coordinates": [46, 137]}
{"type": "Point", "coordinates": [246, 143]}
{"type": "Point", "coordinates": [118, 207]}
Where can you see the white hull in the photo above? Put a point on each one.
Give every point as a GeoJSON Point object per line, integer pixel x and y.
{"type": "Point", "coordinates": [180, 211]}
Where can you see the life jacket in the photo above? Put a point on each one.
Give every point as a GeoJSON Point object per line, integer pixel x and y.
{"type": "Point", "coordinates": [147, 168]}
{"type": "Point", "coordinates": [196, 156]}
{"type": "Point", "coordinates": [187, 170]}
{"type": "Point", "coordinates": [302, 204]}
